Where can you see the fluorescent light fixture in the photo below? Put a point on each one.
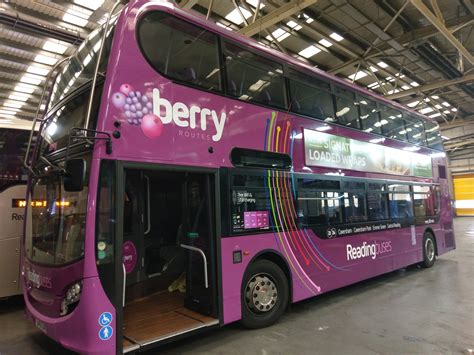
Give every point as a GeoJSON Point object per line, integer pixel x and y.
{"type": "Point", "coordinates": [93, 5]}
{"type": "Point", "coordinates": [389, 78]}
{"type": "Point", "coordinates": [382, 64]}
{"type": "Point", "coordinates": [454, 109]}
{"type": "Point", "coordinates": [24, 88]}
{"type": "Point", "coordinates": [335, 36]}
{"type": "Point", "coordinates": [358, 75]}
{"type": "Point", "coordinates": [426, 110]}
{"type": "Point", "coordinates": [436, 97]}
{"type": "Point", "coordinates": [325, 43]}
{"type": "Point", "coordinates": [437, 114]}
{"type": "Point", "coordinates": [13, 104]}
{"type": "Point", "coordinates": [43, 59]}
{"type": "Point", "coordinates": [55, 46]}
{"type": "Point", "coordinates": [374, 69]}
{"type": "Point", "coordinates": [308, 52]}
{"type": "Point", "coordinates": [446, 112]}
{"type": "Point", "coordinates": [254, 3]}
{"type": "Point", "coordinates": [447, 104]}
{"type": "Point", "coordinates": [37, 70]}
{"type": "Point", "coordinates": [31, 79]}
{"type": "Point", "coordinates": [405, 87]}
{"type": "Point", "coordinates": [235, 17]}
{"type": "Point", "coordinates": [18, 97]}
{"type": "Point", "coordinates": [292, 24]}
{"type": "Point", "coordinates": [413, 104]}
{"type": "Point", "coordinates": [414, 84]}
{"type": "Point", "coordinates": [438, 106]}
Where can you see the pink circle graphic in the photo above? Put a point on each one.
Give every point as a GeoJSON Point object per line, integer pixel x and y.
{"type": "Point", "coordinates": [129, 252]}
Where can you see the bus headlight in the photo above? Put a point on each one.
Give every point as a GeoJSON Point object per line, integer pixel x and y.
{"type": "Point", "coordinates": [73, 295]}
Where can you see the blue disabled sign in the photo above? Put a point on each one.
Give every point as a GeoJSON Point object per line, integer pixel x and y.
{"type": "Point", "coordinates": [105, 333]}
{"type": "Point", "coordinates": [105, 319]}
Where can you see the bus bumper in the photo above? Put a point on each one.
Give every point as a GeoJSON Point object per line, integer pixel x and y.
{"type": "Point", "coordinates": [80, 330]}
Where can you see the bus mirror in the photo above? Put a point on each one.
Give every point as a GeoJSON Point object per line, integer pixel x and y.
{"type": "Point", "coordinates": [75, 175]}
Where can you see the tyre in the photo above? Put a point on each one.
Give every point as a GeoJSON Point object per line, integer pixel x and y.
{"type": "Point", "coordinates": [429, 250]}
{"type": "Point", "coordinates": [265, 294]}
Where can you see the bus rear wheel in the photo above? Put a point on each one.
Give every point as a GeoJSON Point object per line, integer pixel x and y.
{"type": "Point", "coordinates": [265, 294]}
{"type": "Point", "coordinates": [429, 250]}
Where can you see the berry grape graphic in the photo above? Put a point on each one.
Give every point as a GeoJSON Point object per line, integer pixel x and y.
{"type": "Point", "coordinates": [137, 110]}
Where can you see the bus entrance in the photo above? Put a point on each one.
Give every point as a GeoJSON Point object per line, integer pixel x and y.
{"type": "Point", "coordinates": [168, 255]}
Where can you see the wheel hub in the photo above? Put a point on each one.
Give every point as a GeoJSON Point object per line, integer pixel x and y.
{"type": "Point", "coordinates": [261, 293]}
{"type": "Point", "coordinates": [429, 248]}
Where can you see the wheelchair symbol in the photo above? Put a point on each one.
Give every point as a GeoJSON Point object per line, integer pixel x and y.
{"type": "Point", "coordinates": [105, 319]}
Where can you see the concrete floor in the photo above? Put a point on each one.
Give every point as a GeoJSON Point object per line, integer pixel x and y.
{"type": "Point", "coordinates": [407, 311]}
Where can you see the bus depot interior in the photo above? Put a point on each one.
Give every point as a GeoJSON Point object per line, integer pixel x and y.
{"type": "Point", "coordinates": [168, 238]}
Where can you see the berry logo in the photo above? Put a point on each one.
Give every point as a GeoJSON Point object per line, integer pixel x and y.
{"type": "Point", "coordinates": [151, 111]}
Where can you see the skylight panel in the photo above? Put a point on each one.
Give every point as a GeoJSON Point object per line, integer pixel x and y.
{"type": "Point", "coordinates": [31, 79]}
{"type": "Point", "coordinates": [435, 115]}
{"type": "Point", "coordinates": [436, 97]}
{"type": "Point", "coordinates": [7, 112]}
{"type": "Point", "coordinates": [438, 106]}
{"type": "Point", "coordinates": [37, 70]}
{"type": "Point", "coordinates": [13, 104]}
{"type": "Point", "coordinates": [426, 110]}
{"type": "Point", "coordinates": [414, 84]}
{"type": "Point", "coordinates": [374, 69]}
{"type": "Point", "coordinates": [55, 46]}
{"type": "Point", "coordinates": [76, 17]}
{"type": "Point", "coordinates": [280, 34]}
{"type": "Point", "coordinates": [446, 112]}
{"type": "Point", "coordinates": [308, 52]}
{"type": "Point", "coordinates": [405, 87]}
{"type": "Point", "coordinates": [220, 24]}
{"type": "Point", "coordinates": [413, 103]}
{"type": "Point", "coordinates": [292, 24]}
{"type": "Point", "coordinates": [325, 43]}
{"type": "Point", "coordinates": [382, 64]}
{"type": "Point", "coordinates": [43, 59]}
{"type": "Point", "coordinates": [254, 3]}
{"type": "Point", "coordinates": [454, 109]}
{"type": "Point", "coordinates": [92, 5]}
{"type": "Point", "coordinates": [358, 75]}
{"type": "Point", "coordinates": [25, 88]}
{"type": "Point", "coordinates": [235, 17]}
{"type": "Point", "coordinates": [307, 18]}
{"type": "Point", "coordinates": [337, 37]}
{"type": "Point", "coordinates": [447, 104]}
{"type": "Point", "coordinates": [18, 97]}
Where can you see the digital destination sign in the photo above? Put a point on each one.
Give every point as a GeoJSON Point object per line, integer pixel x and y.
{"type": "Point", "coordinates": [328, 150]}
{"type": "Point", "coordinates": [21, 203]}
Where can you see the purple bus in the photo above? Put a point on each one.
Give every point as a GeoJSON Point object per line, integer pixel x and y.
{"type": "Point", "coordinates": [193, 178]}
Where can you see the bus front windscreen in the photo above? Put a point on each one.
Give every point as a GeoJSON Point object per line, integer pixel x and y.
{"type": "Point", "coordinates": [56, 236]}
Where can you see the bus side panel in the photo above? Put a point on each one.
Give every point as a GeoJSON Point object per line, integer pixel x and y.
{"type": "Point", "coordinates": [11, 229]}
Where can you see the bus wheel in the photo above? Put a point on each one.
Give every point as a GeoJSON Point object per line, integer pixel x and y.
{"type": "Point", "coordinates": [429, 250]}
{"type": "Point", "coordinates": [265, 294]}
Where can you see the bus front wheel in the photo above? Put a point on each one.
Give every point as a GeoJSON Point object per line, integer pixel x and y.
{"type": "Point", "coordinates": [429, 250]}
{"type": "Point", "coordinates": [265, 294]}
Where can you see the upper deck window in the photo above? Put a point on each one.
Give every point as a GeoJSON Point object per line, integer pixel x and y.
{"type": "Point", "coordinates": [392, 123]}
{"type": "Point", "coordinates": [310, 96]}
{"type": "Point", "coordinates": [415, 130]}
{"type": "Point", "coordinates": [254, 78]}
{"type": "Point", "coordinates": [180, 50]}
{"type": "Point", "coordinates": [369, 116]}
{"type": "Point", "coordinates": [433, 136]}
{"type": "Point", "coordinates": [347, 111]}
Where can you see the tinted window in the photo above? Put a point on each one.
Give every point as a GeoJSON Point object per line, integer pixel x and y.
{"type": "Point", "coordinates": [180, 50]}
{"type": "Point", "coordinates": [377, 206]}
{"type": "Point", "coordinates": [415, 130]}
{"type": "Point", "coordinates": [433, 136]}
{"type": "Point", "coordinates": [400, 202]}
{"type": "Point", "coordinates": [425, 201]}
{"type": "Point", "coordinates": [312, 208]}
{"type": "Point", "coordinates": [310, 96]}
{"type": "Point", "coordinates": [392, 123]}
{"type": "Point", "coordinates": [369, 116]}
{"type": "Point", "coordinates": [354, 207]}
{"type": "Point", "coordinates": [347, 111]}
{"type": "Point", "coordinates": [254, 78]}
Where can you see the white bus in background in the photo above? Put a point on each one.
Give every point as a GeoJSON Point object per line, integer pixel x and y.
{"type": "Point", "coordinates": [13, 177]}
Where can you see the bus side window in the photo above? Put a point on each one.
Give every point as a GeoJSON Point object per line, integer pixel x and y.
{"type": "Point", "coordinates": [401, 205]}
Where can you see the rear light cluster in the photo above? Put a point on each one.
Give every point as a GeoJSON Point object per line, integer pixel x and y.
{"type": "Point", "coordinates": [73, 295]}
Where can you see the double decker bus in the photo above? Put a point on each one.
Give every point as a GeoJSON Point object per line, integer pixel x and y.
{"type": "Point", "coordinates": [194, 178]}
{"type": "Point", "coordinates": [13, 178]}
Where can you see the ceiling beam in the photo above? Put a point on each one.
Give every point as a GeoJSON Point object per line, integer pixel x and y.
{"type": "Point", "coordinates": [442, 29]}
{"type": "Point", "coordinates": [276, 16]}
{"type": "Point", "coordinates": [431, 86]}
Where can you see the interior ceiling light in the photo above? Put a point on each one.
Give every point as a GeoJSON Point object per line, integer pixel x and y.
{"type": "Point", "coordinates": [235, 17]}
{"type": "Point", "coordinates": [308, 52]}
{"type": "Point", "coordinates": [43, 59]}
{"type": "Point", "coordinates": [414, 84]}
{"type": "Point", "coordinates": [413, 104]}
{"type": "Point", "coordinates": [426, 110]}
{"type": "Point", "coordinates": [325, 43]}
{"type": "Point", "coordinates": [454, 109]}
{"type": "Point", "coordinates": [382, 64]}
{"type": "Point", "coordinates": [336, 37]}
{"type": "Point", "coordinates": [436, 97]}
{"type": "Point", "coordinates": [447, 104]}
{"type": "Point", "coordinates": [91, 4]}
{"type": "Point", "coordinates": [55, 46]}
